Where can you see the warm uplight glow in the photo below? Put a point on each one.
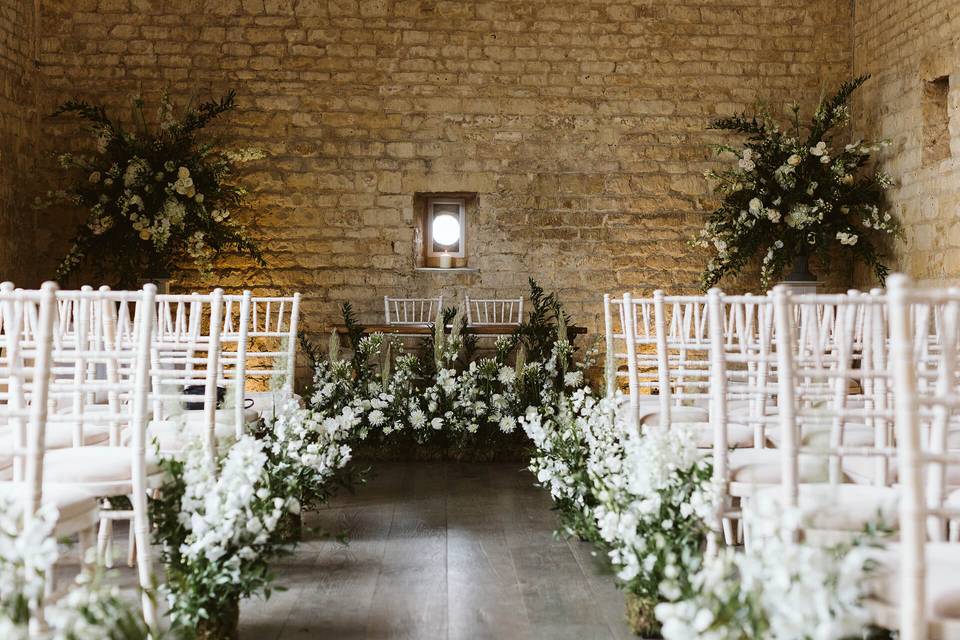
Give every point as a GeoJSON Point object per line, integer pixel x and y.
{"type": "Point", "coordinates": [446, 230]}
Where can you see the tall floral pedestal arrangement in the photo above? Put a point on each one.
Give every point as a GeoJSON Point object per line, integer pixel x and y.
{"type": "Point", "coordinates": [155, 197]}
{"type": "Point", "coordinates": [800, 279]}
{"type": "Point", "coordinates": [796, 192]}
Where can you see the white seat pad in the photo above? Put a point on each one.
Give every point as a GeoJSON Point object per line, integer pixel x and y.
{"type": "Point", "coordinates": [738, 435]}
{"type": "Point", "coordinates": [222, 415]}
{"type": "Point", "coordinates": [677, 414]}
{"type": "Point", "coordinates": [819, 436]}
{"type": "Point", "coordinates": [70, 502]}
{"type": "Point", "coordinates": [94, 465]}
{"type": "Point", "coordinates": [172, 436]}
{"type": "Point", "coordinates": [860, 470]}
{"type": "Point", "coordinates": [763, 466]}
{"type": "Point", "coordinates": [843, 507]}
{"type": "Point", "coordinates": [942, 569]}
{"type": "Point", "coordinates": [266, 403]}
{"type": "Point", "coordinates": [58, 435]}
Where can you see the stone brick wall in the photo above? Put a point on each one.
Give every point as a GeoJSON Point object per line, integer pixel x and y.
{"type": "Point", "coordinates": [580, 124]}
{"type": "Point", "coordinates": [17, 129]}
{"type": "Point", "coordinates": [906, 44]}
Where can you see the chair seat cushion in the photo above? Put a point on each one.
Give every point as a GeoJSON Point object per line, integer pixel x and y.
{"type": "Point", "coordinates": [738, 435]}
{"type": "Point", "coordinates": [172, 436]}
{"type": "Point", "coordinates": [677, 414]}
{"type": "Point", "coordinates": [819, 436]}
{"type": "Point", "coordinates": [763, 466]}
{"type": "Point", "coordinates": [69, 501]}
{"type": "Point", "coordinates": [222, 415]}
{"type": "Point", "coordinates": [267, 403]}
{"type": "Point", "coordinates": [942, 569]}
{"type": "Point", "coordinates": [58, 435]}
{"type": "Point", "coordinates": [861, 470]}
{"type": "Point", "coordinates": [93, 465]}
{"type": "Point", "coordinates": [842, 507]}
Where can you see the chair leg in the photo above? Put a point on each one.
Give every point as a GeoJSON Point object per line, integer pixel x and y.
{"type": "Point", "coordinates": [87, 542]}
{"type": "Point", "coordinates": [131, 546]}
{"type": "Point", "coordinates": [729, 533]}
{"type": "Point", "coordinates": [105, 540]}
{"type": "Point", "coordinates": [141, 532]}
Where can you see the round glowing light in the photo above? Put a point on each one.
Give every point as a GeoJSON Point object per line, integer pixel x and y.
{"type": "Point", "coordinates": [446, 230]}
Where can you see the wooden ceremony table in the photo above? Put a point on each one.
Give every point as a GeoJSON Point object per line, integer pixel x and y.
{"type": "Point", "coordinates": [414, 330]}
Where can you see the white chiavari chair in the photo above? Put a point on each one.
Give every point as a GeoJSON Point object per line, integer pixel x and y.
{"type": "Point", "coordinates": [99, 470]}
{"type": "Point", "coordinates": [494, 311]}
{"type": "Point", "coordinates": [647, 350]}
{"type": "Point", "coordinates": [189, 379]}
{"type": "Point", "coordinates": [411, 311]}
{"type": "Point", "coordinates": [739, 330]}
{"type": "Point", "coordinates": [25, 368]}
{"type": "Point", "coordinates": [920, 595]}
{"type": "Point", "coordinates": [269, 339]}
{"type": "Point", "coordinates": [821, 374]}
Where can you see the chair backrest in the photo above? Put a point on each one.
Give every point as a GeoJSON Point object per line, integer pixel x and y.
{"type": "Point", "coordinates": [740, 332]}
{"type": "Point", "coordinates": [268, 337]}
{"type": "Point", "coordinates": [411, 311]}
{"type": "Point", "coordinates": [668, 333]}
{"type": "Point", "coordinates": [631, 338]}
{"type": "Point", "coordinates": [494, 311]}
{"type": "Point", "coordinates": [185, 356]}
{"type": "Point", "coordinates": [105, 353]}
{"type": "Point", "coordinates": [25, 367]}
{"type": "Point", "coordinates": [923, 403]}
{"type": "Point", "coordinates": [824, 377]}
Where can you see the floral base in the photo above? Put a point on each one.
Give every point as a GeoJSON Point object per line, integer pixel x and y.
{"type": "Point", "coordinates": [290, 528]}
{"type": "Point", "coordinates": [225, 626]}
{"type": "Point", "coordinates": [640, 616]}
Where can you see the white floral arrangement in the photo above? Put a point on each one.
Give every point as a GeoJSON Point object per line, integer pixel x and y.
{"type": "Point", "coordinates": [563, 436]}
{"type": "Point", "coordinates": [795, 193]}
{"type": "Point", "coordinates": [778, 588]}
{"type": "Point", "coordinates": [154, 196]}
{"type": "Point", "coordinates": [27, 552]}
{"type": "Point", "coordinates": [90, 610]}
{"type": "Point", "coordinates": [656, 505]}
{"type": "Point", "coordinates": [216, 528]}
{"type": "Point", "coordinates": [307, 448]}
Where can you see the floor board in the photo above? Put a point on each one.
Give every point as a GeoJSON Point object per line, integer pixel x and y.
{"type": "Point", "coordinates": [438, 551]}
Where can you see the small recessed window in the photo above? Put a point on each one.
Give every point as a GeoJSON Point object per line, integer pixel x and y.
{"type": "Point", "coordinates": [936, 120]}
{"type": "Point", "coordinates": [444, 222]}
{"type": "Point", "coordinates": [446, 227]}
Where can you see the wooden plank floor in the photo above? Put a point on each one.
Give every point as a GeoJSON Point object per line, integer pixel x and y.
{"type": "Point", "coordinates": [440, 551]}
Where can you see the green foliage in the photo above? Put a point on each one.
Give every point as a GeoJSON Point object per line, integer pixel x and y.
{"type": "Point", "coordinates": [308, 348]}
{"type": "Point", "coordinates": [542, 328]}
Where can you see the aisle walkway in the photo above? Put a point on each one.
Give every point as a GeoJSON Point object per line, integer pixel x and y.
{"type": "Point", "coordinates": [436, 551]}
